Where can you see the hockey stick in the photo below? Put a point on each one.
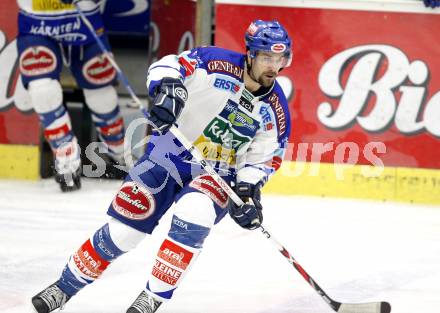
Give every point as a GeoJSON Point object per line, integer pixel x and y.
{"type": "Point", "coordinates": [371, 307]}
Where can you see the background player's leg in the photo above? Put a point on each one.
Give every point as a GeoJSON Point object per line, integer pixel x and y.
{"type": "Point", "coordinates": [103, 103]}
{"type": "Point", "coordinates": [46, 96]}
{"type": "Point", "coordinates": [40, 67]}
{"type": "Point", "coordinates": [96, 76]}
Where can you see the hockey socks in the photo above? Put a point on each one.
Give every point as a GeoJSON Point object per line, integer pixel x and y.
{"type": "Point", "coordinates": [64, 145]}
{"type": "Point", "coordinates": [110, 127]}
{"type": "Point", "coordinates": [89, 262]}
{"type": "Point", "coordinates": [174, 258]}
{"type": "Point", "coordinates": [93, 257]}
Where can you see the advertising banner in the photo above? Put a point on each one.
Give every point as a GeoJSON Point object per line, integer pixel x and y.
{"type": "Point", "coordinates": [18, 124]}
{"type": "Point", "coordinates": [130, 17]}
{"type": "Point", "coordinates": [363, 85]}
{"type": "Point", "coordinates": [172, 27]}
{"type": "Point", "coordinates": [364, 95]}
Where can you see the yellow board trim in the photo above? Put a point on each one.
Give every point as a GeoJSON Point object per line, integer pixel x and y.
{"type": "Point", "coordinates": [51, 5]}
{"type": "Point", "coordinates": [357, 181]}
{"type": "Point", "coordinates": [19, 161]}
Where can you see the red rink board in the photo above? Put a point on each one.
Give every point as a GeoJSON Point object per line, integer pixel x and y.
{"type": "Point", "coordinates": [386, 91]}
{"type": "Point", "coordinates": [16, 127]}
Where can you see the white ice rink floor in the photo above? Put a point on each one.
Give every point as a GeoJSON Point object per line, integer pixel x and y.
{"type": "Point", "coordinates": [358, 251]}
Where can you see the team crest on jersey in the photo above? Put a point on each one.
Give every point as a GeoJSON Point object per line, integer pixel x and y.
{"type": "Point", "coordinates": [207, 185]}
{"type": "Point", "coordinates": [99, 71]}
{"type": "Point", "coordinates": [134, 202]}
{"type": "Point", "coordinates": [37, 60]}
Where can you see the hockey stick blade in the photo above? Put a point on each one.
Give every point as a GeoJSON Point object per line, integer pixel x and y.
{"type": "Point", "coordinates": [371, 307]}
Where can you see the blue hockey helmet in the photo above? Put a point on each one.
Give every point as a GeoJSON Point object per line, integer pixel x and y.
{"type": "Point", "coordinates": [269, 36]}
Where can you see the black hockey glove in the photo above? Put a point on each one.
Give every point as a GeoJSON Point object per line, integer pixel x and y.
{"type": "Point", "coordinates": [432, 3]}
{"type": "Point", "coordinates": [249, 215]}
{"type": "Point", "coordinates": [169, 100]}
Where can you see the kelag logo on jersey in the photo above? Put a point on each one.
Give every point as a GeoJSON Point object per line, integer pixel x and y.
{"type": "Point", "coordinates": [220, 132]}
{"type": "Point", "coordinates": [220, 142]}
{"type": "Point", "coordinates": [223, 82]}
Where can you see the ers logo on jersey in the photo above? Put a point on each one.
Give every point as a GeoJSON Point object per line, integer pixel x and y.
{"type": "Point", "coordinates": [37, 61]}
{"type": "Point", "coordinates": [134, 202]}
{"type": "Point", "coordinates": [99, 70]}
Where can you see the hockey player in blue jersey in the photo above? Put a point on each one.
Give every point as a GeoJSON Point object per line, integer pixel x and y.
{"type": "Point", "coordinates": [432, 3]}
{"type": "Point", "coordinates": [233, 110]}
{"type": "Point", "coordinates": [50, 34]}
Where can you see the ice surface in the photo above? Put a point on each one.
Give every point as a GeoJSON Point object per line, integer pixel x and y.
{"type": "Point", "coordinates": [358, 251]}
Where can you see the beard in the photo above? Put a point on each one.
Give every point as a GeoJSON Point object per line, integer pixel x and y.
{"type": "Point", "coordinates": [267, 79]}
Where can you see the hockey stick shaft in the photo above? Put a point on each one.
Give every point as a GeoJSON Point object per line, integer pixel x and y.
{"type": "Point", "coordinates": [122, 78]}
{"type": "Point", "coordinates": [237, 200]}
{"type": "Point", "coordinates": [375, 307]}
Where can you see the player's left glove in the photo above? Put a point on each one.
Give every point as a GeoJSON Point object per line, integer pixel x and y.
{"type": "Point", "coordinates": [249, 215]}
{"type": "Point", "coordinates": [432, 3]}
{"type": "Point", "coordinates": [169, 101]}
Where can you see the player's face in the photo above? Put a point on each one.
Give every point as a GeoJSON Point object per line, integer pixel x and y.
{"type": "Point", "coordinates": [266, 66]}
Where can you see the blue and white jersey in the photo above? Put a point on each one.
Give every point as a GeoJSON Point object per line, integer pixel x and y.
{"type": "Point", "coordinates": [52, 18]}
{"type": "Point", "coordinates": [233, 128]}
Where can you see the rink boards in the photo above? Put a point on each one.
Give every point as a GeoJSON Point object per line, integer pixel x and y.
{"type": "Point", "coordinates": [334, 64]}
{"type": "Point", "coordinates": [363, 91]}
{"type": "Point", "coordinates": [19, 161]}
{"type": "Point", "coordinates": [358, 181]}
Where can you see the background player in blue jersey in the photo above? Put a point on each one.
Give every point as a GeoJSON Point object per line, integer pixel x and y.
{"type": "Point", "coordinates": [432, 3]}
{"type": "Point", "coordinates": [50, 34]}
{"type": "Point", "coordinates": [233, 110]}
